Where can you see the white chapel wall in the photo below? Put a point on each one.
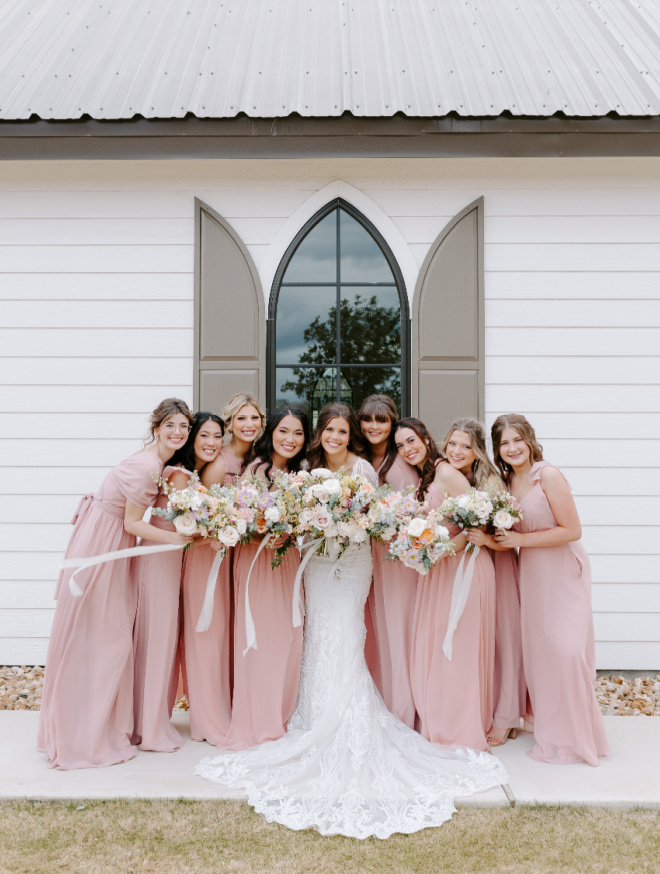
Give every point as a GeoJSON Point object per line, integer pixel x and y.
{"type": "Point", "coordinates": [96, 295]}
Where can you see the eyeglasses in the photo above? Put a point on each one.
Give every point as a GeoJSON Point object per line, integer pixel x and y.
{"type": "Point", "coordinates": [185, 428]}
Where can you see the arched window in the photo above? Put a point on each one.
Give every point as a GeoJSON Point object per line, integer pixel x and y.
{"type": "Point", "coordinates": [338, 324]}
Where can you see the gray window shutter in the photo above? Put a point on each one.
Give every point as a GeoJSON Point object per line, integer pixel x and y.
{"type": "Point", "coordinates": [230, 326]}
{"type": "Point", "coordinates": [448, 325]}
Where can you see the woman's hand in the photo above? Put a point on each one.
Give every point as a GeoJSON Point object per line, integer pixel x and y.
{"type": "Point", "coordinates": [509, 539]}
{"type": "Point", "coordinates": [279, 541]}
{"type": "Point", "coordinates": [177, 539]}
{"type": "Point", "coordinates": [477, 537]}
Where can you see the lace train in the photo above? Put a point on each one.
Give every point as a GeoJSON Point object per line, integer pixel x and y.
{"type": "Point", "coordinates": [346, 765]}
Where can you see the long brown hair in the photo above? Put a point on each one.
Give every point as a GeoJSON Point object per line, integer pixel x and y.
{"type": "Point", "coordinates": [383, 409]}
{"type": "Point", "coordinates": [427, 471]}
{"type": "Point", "coordinates": [482, 466]}
{"type": "Point", "coordinates": [315, 454]}
{"type": "Point", "coordinates": [521, 426]}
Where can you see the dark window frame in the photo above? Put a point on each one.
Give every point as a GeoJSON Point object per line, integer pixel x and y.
{"type": "Point", "coordinates": [399, 283]}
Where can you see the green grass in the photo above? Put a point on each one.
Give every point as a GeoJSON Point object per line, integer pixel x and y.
{"type": "Point", "coordinates": [209, 836]}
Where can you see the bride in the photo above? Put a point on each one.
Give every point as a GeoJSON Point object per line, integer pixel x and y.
{"type": "Point", "coordinates": [346, 765]}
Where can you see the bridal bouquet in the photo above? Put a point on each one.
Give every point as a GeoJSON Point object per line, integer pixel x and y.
{"type": "Point", "coordinates": [334, 507]}
{"type": "Point", "coordinates": [421, 541]}
{"type": "Point", "coordinates": [506, 511]}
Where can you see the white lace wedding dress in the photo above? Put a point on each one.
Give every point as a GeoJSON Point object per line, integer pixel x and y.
{"type": "Point", "coordinates": [346, 765]}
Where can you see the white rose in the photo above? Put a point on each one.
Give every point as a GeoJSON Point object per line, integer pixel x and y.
{"type": "Point", "coordinates": [272, 514]}
{"type": "Point", "coordinates": [185, 524]}
{"type": "Point", "coordinates": [360, 536]}
{"type": "Point", "coordinates": [241, 526]}
{"type": "Point", "coordinates": [441, 531]}
{"type": "Point", "coordinates": [463, 501]}
{"type": "Point", "coordinates": [321, 472]}
{"type": "Point", "coordinates": [416, 527]}
{"type": "Point", "coordinates": [347, 529]}
{"type": "Point", "coordinates": [332, 486]}
{"type": "Point", "coordinates": [503, 519]}
{"type": "Point", "coordinates": [228, 536]}
{"type": "Point", "coordinates": [322, 520]}
{"type": "Point", "coordinates": [388, 533]}
{"type": "Point", "coordinates": [305, 517]}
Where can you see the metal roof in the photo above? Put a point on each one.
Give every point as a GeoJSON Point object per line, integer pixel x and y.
{"type": "Point", "coordinates": [117, 59]}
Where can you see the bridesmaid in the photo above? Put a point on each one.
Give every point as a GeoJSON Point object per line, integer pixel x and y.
{"type": "Point", "coordinates": [86, 718]}
{"type": "Point", "coordinates": [454, 699]}
{"type": "Point", "coordinates": [157, 581]}
{"type": "Point", "coordinates": [555, 601]}
{"type": "Point", "coordinates": [465, 449]}
{"type": "Point", "coordinates": [266, 677]}
{"type": "Point", "coordinates": [391, 600]}
{"type": "Point", "coordinates": [207, 654]}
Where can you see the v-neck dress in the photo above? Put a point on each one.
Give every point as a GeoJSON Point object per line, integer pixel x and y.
{"type": "Point", "coordinates": [558, 640]}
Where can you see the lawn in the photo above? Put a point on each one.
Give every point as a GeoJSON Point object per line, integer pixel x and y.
{"type": "Point", "coordinates": [210, 836]}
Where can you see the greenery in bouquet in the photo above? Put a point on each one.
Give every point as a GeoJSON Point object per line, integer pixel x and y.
{"type": "Point", "coordinates": [270, 511]}
{"type": "Point", "coordinates": [190, 510]}
{"type": "Point", "coordinates": [334, 509]}
{"type": "Point", "coordinates": [474, 509]}
{"type": "Point", "coordinates": [506, 510]}
{"type": "Point", "coordinates": [389, 511]}
{"type": "Point", "coordinates": [421, 541]}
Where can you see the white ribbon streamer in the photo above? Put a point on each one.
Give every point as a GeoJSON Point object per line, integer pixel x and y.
{"type": "Point", "coordinates": [92, 561]}
{"type": "Point", "coordinates": [296, 613]}
{"type": "Point", "coordinates": [250, 630]}
{"type": "Point", "coordinates": [459, 596]}
{"type": "Point", "coordinates": [206, 613]}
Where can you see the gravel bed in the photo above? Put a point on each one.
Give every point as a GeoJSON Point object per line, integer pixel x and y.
{"type": "Point", "coordinates": [20, 689]}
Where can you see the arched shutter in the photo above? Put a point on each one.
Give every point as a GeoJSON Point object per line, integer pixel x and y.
{"type": "Point", "coordinates": [230, 327]}
{"type": "Point", "coordinates": [448, 325]}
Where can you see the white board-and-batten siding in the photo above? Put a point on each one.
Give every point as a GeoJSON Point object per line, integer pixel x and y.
{"type": "Point", "coordinates": [96, 295]}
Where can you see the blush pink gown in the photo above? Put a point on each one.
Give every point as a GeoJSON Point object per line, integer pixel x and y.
{"type": "Point", "coordinates": [265, 679]}
{"type": "Point", "coordinates": [558, 640]}
{"type": "Point", "coordinates": [206, 654]}
{"type": "Point", "coordinates": [391, 606]}
{"type": "Point", "coordinates": [157, 582]}
{"type": "Point", "coordinates": [86, 718]}
{"type": "Point", "coordinates": [509, 688]}
{"type": "Point", "coordinates": [454, 699]}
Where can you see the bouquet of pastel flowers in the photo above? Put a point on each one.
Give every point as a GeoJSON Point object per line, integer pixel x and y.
{"type": "Point", "coordinates": [334, 507]}
{"type": "Point", "coordinates": [506, 511]}
{"type": "Point", "coordinates": [474, 509]}
{"type": "Point", "coordinates": [421, 541]}
{"type": "Point", "coordinates": [271, 511]}
{"type": "Point", "coordinates": [190, 510]}
{"type": "Point", "coordinates": [389, 511]}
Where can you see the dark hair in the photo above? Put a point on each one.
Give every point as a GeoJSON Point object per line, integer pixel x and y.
{"type": "Point", "coordinates": [383, 409]}
{"type": "Point", "coordinates": [185, 456]}
{"type": "Point", "coordinates": [263, 445]}
{"type": "Point", "coordinates": [427, 470]}
{"type": "Point", "coordinates": [519, 424]}
{"type": "Point", "coordinates": [315, 454]}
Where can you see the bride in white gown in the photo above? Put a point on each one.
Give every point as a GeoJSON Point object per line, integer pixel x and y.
{"type": "Point", "coordinates": [346, 765]}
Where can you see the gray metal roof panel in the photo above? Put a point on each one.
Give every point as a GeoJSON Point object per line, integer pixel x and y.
{"type": "Point", "coordinates": [62, 59]}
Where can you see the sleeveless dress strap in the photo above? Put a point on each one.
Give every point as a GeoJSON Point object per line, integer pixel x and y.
{"type": "Point", "coordinates": [534, 475]}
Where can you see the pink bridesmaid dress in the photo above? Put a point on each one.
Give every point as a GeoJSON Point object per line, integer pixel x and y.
{"type": "Point", "coordinates": [157, 582]}
{"type": "Point", "coordinates": [206, 654]}
{"type": "Point", "coordinates": [391, 604]}
{"type": "Point", "coordinates": [558, 640]}
{"type": "Point", "coordinates": [266, 678]}
{"type": "Point", "coordinates": [86, 718]}
{"type": "Point", "coordinates": [454, 699]}
{"type": "Point", "coordinates": [509, 688]}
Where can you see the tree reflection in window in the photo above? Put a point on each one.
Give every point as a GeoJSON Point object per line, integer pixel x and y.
{"type": "Point", "coordinates": [338, 317]}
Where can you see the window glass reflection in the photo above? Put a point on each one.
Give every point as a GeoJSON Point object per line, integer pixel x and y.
{"type": "Point", "coordinates": [307, 325]}
{"type": "Point", "coordinates": [315, 259]}
{"type": "Point", "coordinates": [310, 388]}
{"type": "Point", "coordinates": [362, 259]}
{"type": "Point", "coordinates": [365, 381]}
{"type": "Point", "coordinates": [370, 325]}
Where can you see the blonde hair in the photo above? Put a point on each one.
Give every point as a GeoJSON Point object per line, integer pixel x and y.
{"type": "Point", "coordinates": [482, 467]}
{"type": "Point", "coordinates": [521, 426]}
{"type": "Point", "coordinates": [234, 404]}
{"type": "Point", "coordinates": [165, 410]}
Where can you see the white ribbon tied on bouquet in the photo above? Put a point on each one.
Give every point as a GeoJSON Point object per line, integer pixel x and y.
{"type": "Point", "coordinates": [206, 613]}
{"type": "Point", "coordinates": [459, 596]}
{"type": "Point", "coordinates": [93, 560]}
{"type": "Point", "coordinates": [250, 630]}
{"type": "Point", "coordinates": [296, 612]}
